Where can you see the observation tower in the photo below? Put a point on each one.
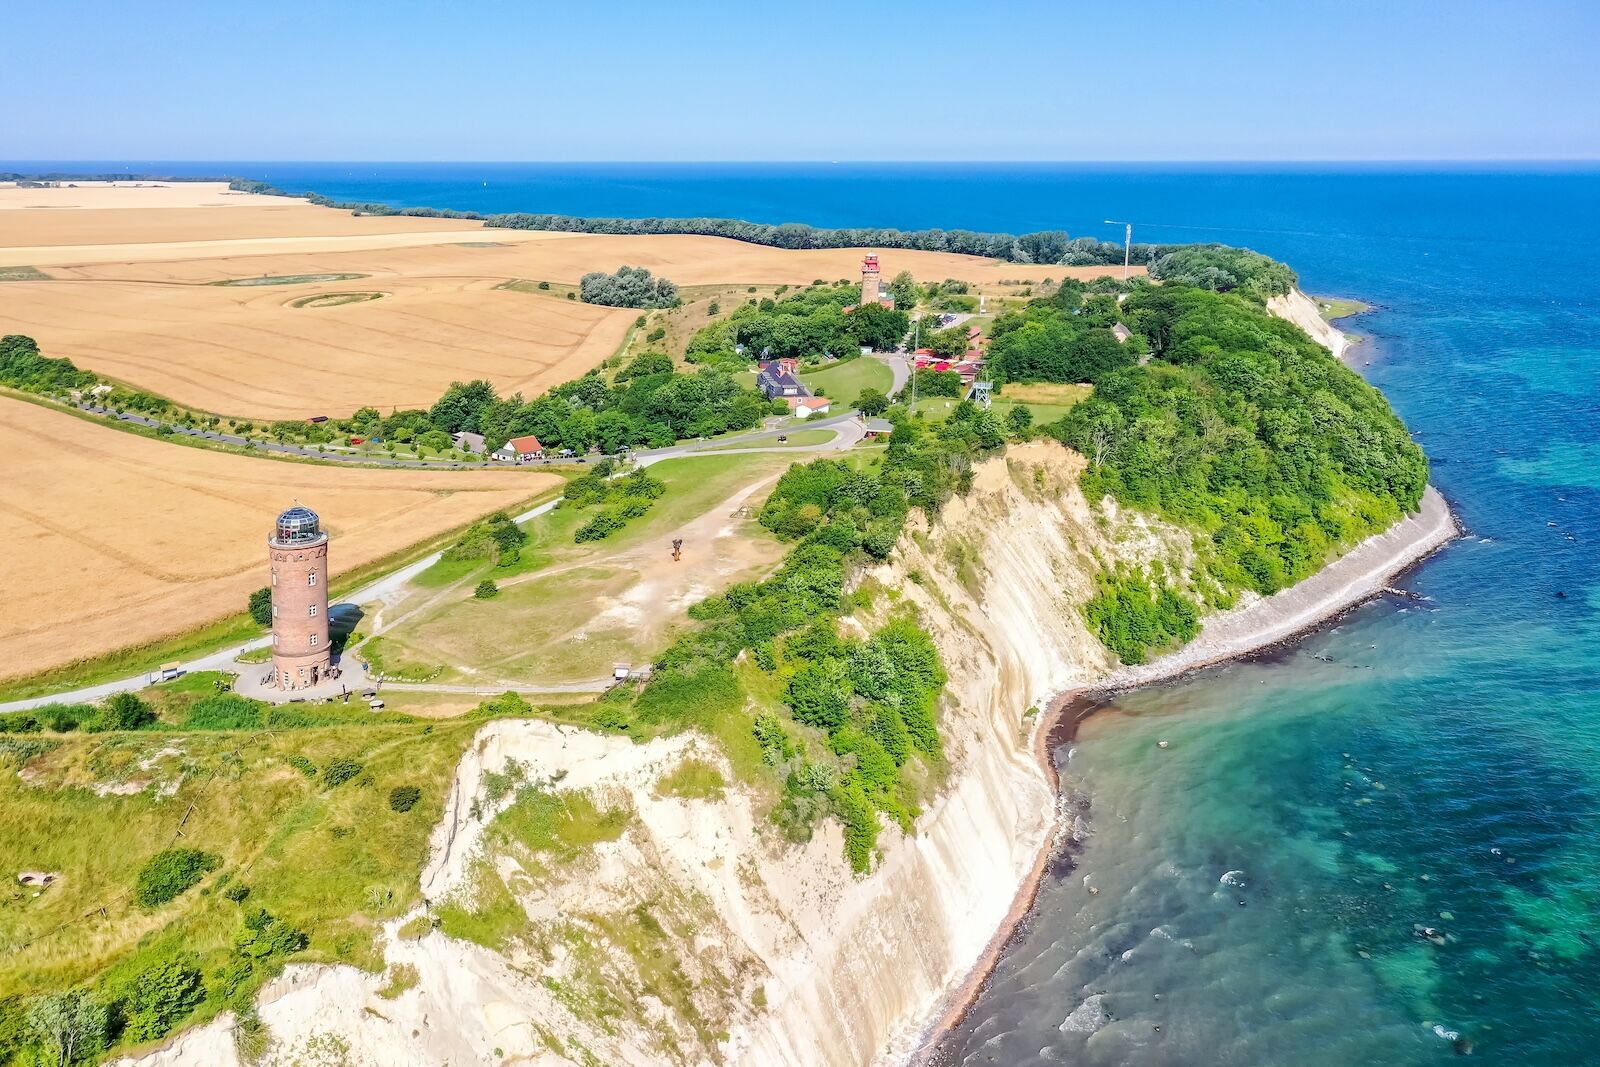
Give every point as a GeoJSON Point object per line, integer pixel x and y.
{"type": "Point", "coordinates": [298, 549]}
{"type": "Point", "coordinates": [871, 281]}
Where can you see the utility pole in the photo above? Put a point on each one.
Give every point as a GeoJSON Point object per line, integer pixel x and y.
{"type": "Point", "coordinates": [1127, 244]}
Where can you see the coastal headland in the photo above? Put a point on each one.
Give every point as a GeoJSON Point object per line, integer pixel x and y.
{"type": "Point", "coordinates": [818, 809]}
{"type": "Point", "coordinates": [1366, 571]}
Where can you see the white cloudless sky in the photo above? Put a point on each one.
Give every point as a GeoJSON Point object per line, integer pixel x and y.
{"type": "Point", "coordinates": [695, 80]}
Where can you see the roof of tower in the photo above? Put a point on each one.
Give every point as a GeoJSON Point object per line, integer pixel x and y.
{"type": "Point", "coordinates": [298, 525]}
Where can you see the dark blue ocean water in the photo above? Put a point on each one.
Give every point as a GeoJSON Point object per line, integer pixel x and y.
{"type": "Point", "coordinates": [1440, 766]}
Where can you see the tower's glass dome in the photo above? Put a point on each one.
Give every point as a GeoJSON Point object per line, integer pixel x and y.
{"type": "Point", "coordinates": [298, 526]}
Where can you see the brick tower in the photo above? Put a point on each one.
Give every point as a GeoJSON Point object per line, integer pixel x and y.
{"type": "Point", "coordinates": [871, 289]}
{"type": "Point", "coordinates": [298, 549]}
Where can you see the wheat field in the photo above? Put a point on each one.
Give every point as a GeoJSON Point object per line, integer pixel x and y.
{"type": "Point", "coordinates": [115, 540]}
{"type": "Point", "coordinates": [131, 292]}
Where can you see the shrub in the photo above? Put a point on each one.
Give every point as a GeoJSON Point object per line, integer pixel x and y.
{"type": "Point", "coordinates": [403, 798]}
{"type": "Point", "coordinates": [160, 997]}
{"type": "Point", "coordinates": [629, 287]}
{"type": "Point", "coordinates": [261, 606]}
{"type": "Point", "coordinates": [302, 764]}
{"type": "Point", "coordinates": [237, 893]}
{"type": "Point", "coordinates": [486, 590]}
{"type": "Point", "coordinates": [598, 528]}
{"type": "Point", "coordinates": [125, 711]}
{"type": "Point", "coordinates": [340, 770]}
{"type": "Point", "coordinates": [169, 873]}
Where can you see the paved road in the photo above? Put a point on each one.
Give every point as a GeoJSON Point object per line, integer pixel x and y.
{"type": "Point", "coordinates": [849, 432]}
{"type": "Point", "coordinates": [643, 455]}
{"type": "Point", "coordinates": [276, 447]}
{"type": "Point", "coordinates": [899, 366]}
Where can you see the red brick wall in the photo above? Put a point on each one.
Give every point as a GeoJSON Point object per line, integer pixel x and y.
{"type": "Point", "coordinates": [299, 612]}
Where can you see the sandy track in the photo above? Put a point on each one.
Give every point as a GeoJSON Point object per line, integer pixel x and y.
{"type": "Point", "coordinates": [114, 540]}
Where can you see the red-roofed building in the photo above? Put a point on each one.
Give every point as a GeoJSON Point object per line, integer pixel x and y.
{"type": "Point", "coordinates": [806, 406]}
{"type": "Point", "coordinates": [520, 450]}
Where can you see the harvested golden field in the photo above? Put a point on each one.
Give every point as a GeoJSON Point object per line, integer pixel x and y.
{"type": "Point", "coordinates": [130, 291]}
{"type": "Point", "coordinates": [248, 350]}
{"type": "Point", "coordinates": [97, 213]}
{"type": "Point", "coordinates": [115, 540]}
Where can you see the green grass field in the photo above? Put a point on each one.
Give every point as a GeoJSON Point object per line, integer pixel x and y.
{"type": "Point", "coordinates": [331, 860]}
{"type": "Point", "coordinates": [842, 382]}
{"type": "Point", "coordinates": [937, 409]}
{"type": "Point", "coordinates": [565, 611]}
{"type": "Point", "coordinates": [796, 439]}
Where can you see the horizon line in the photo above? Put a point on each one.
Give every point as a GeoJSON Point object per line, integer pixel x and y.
{"type": "Point", "coordinates": [1362, 161]}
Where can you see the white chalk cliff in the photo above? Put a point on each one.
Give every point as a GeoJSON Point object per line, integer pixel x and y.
{"type": "Point", "coordinates": [779, 954]}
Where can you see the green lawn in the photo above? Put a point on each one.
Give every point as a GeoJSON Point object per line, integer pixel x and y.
{"type": "Point", "coordinates": [797, 439]}
{"type": "Point", "coordinates": [842, 382]}
{"type": "Point", "coordinates": [937, 409]}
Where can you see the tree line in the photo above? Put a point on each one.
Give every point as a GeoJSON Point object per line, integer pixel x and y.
{"type": "Point", "coordinates": [1042, 247]}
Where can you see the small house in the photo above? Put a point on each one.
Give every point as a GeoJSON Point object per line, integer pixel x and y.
{"type": "Point", "coordinates": [1121, 333]}
{"type": "Point", "coordinates": [468, 442]}
{"type": "Point", "coordinates": [520, 450]}
{"type": "Point", "coordinates": [780, 378]}
{"type": "Point", "coordinates": [805, 407]}
{"type": "Point", "coordinates": [872, 429]}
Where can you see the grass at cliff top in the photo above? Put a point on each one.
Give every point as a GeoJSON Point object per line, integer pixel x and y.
{"type": "Point", "coordinates": [331, 861]}
{"type": "Point", "coordinates": [844, 381]}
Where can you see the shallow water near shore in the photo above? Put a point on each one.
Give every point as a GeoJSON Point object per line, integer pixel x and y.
{"type": "Point", "coordinates": [1430, 764]}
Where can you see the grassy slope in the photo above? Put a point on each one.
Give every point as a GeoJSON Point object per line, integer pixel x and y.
{"type": "Point", "coordinates": [329, 860]}
{"type": "Point", "coordinates": [844, 381]}
{"type": "Point", "coordinates": [544, 613]}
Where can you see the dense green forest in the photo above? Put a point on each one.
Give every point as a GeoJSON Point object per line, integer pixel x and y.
{"type": "Point", "coordinates": [819, 320]}
{"type": "Point", "coordinates": [1239, 427]}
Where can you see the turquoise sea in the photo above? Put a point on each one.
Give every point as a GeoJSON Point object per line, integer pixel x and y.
{"type": "Point", "coordinates": [1434, 764]}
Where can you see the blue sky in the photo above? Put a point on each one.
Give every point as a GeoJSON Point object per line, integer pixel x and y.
{"type": "Point", "coordinates": [624, 80]}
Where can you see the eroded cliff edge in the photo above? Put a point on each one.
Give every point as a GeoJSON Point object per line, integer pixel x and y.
{"type": "Point", "coordinates": [744, 947]}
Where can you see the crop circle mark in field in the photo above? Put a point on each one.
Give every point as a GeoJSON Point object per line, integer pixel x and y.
{"type": "Point", "coordinates": [329, 300]}
{"type": "Point", "coordinates": [289, 279]}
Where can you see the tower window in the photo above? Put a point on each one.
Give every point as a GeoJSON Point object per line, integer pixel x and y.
{"type": "Point", "coordinates": [274, 577]}
{"type": "Point", "coordinates": [311, 579]}
{"type": "Point", "coordinates": [313, 640]}
{"type": "Point", "coordinates": [311, 609]}
{"type": "Point", "coordinates": [274, 611]}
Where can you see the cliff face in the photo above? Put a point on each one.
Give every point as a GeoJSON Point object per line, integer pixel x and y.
{"type": "Point", "coordinates": [695, 933]}
{"type": "Point", "coordinates": [782, 956]}
{"type": "Point", "coordinates": [1301, 310]}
